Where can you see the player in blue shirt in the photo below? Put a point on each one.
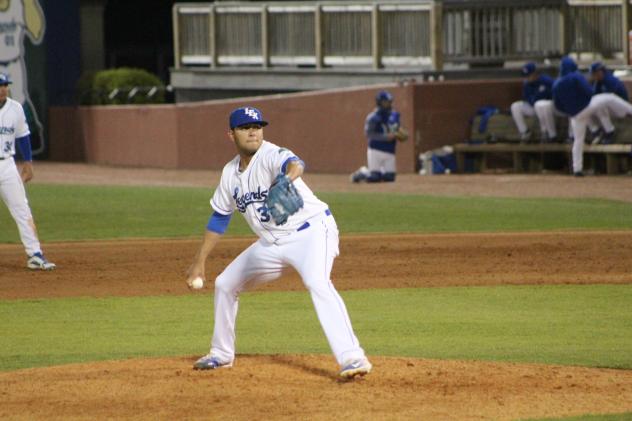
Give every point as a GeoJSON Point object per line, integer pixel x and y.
{"type": "Point", "coordinates": [573, 95]}
{"type": "Point", "coordinates": [380, 128]}
{"type": "Point", "coordinates": [603, 81]}
{"type": "Point", "coordinates": [535, 87]}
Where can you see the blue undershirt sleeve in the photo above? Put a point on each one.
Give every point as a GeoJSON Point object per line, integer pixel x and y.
{"type": "Point", "coordinates": [292, 159]}
{"type": "Point", "coordinates": [24, 145]}
{"type": "Point", "coordinates": [218, 222]}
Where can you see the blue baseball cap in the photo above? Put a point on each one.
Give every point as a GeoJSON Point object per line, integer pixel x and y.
{"type": "Point", "coordinates": [4, 79]}
{"type": "Point", "coordinates": [528, 69]}
{"type": "Point", "coordinates": [383, 96]}
{"type": "Point", "coordinates": [246, 115]}
{"type": "Point", "coordinates": [596, 66]}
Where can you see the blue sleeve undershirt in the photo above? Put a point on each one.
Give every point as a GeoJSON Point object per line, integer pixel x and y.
{"type": "Point", "coordinates": [218, 222]}
{"type": "Point", "coordinates": [292, 159]}
{"type": "Point", "coordinates": [24, 145]}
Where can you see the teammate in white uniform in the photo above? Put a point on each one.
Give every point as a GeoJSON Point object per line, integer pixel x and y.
{"type": "Point", "coordinates": [308, 242]}
{"type": "Point", "coordinates": [14, 131]}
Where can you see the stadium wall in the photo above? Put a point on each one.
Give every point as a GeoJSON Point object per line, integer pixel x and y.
{"type": "Point", "coordinates": [324, 128]}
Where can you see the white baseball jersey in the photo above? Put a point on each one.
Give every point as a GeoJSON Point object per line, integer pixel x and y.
{"type": "Point", "coordinates": [12, 126]}
{"type": "Point", "coordinates": [246, 192]}
{"type": "Point", "coordinates": [11, 31]}
{"type": "Point", "coordinates": [309, 247]}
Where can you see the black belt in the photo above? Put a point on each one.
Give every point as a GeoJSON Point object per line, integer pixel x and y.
{"type": "Point", "coordinates": [306, 224]}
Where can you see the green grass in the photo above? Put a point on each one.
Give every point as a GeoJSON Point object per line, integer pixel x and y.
{"type": "Point", "coordinates": [87, 212]}
{"type": "Point", "coordinates": [573, 325]}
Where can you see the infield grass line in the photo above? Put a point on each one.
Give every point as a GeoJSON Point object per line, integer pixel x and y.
{"type": "Point", "coordinates": [71, 213]}
{"type": "Point", "coordinates": [586, 325]}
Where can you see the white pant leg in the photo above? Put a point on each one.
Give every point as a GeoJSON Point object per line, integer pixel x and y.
{"type": "Point", "coordinates": [261, 262]}
{"type": "Point", "coordinates": [570, 129]}
{"type": "Point", "coordinates": [312, 252]}
{"type": "Point", "coordinates": [519, 110]}
{"type": "Point", "coordinates": [380, 161]}
{"type": "Point", "coordinates": [614, 104]}
{"type": "Point", "coordinates": [579, 123]}
{"type": "Point", "coordinates": [545, 110]}
{"type": "Point", "coordinates": [599, 107]}
{"type": "Point", "coordinates": [14, 196]}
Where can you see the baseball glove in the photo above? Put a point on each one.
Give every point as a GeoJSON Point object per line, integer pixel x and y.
{"type": "Point", "coordinates": [401, 134]}
{"type": "Point", "coordinates": [283, 200]}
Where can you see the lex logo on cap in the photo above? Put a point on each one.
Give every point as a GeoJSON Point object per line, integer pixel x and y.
{"type": "Point", "coordinates": [246, 115]}
{"type": "Point", "coordinates": [251, 112]}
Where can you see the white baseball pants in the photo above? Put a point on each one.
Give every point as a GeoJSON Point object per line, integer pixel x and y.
{"type": "Point", "coordinates": [311, 252]}
{"type": "Point", "coordinates": [520, 110]}
{"type": "Point", "coordinates": [546, 112]}
{"type": "Point", "coordinates": [380, 161]}
{"type": "Point", "coordinates": [601, 106]}
{"type": "Point", "coordinates": [14, 196]}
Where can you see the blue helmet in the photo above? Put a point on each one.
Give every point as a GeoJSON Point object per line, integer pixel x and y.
{"type": "Point", "coordinates": [383, 96]}
{"type": "Point", "coordinates": [4, 79]}
{"type": "Point", "coordinates": [528, 69]}
{"type": "Point", "coordinates": [596, 66]}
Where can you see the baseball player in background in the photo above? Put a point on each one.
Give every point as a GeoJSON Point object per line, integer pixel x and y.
{"type": "Point", "coordinates": [603, 82]}
{"type": "Point", "coordinates": [383, 130]}
{"type": "Point", "coordinates": [535, 88]}
{"type": "Point", "coordinates": [573, 95]}
{"type": "Point", "coordinates": [307, 241]}
{"type": "Point", "coordinates": [14, 132]}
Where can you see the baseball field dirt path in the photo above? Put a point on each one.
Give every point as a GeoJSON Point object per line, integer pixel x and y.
{"type": "Point", "coordinates": [305, 386]}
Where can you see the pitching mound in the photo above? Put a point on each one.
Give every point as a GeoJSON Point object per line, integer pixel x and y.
{"type": "Point", "coordinates": [306, 387]}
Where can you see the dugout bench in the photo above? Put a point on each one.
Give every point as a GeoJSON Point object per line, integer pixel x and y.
{"type": "Point", "coordinates": [525, 158]}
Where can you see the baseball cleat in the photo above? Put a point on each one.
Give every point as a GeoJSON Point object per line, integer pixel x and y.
{"type": "Point", "coordinates": [353, 368]}
{"type": "Point", "coordinates": [39, 262]}
{"type": "Point", "coordinates": [208, 362]}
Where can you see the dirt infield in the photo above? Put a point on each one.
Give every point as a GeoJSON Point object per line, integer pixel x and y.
{"type": "Point", "coordinates": [305, 386]}
{"type": "Point", "coordinates": [112, 268]}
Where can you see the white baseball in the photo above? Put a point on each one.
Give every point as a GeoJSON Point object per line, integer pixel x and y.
{"type": "Point", "coordinates": [197, 283]}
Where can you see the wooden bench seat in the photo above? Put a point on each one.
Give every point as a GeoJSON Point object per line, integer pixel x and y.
{"type": "Point", "coordinates": [530, 157]}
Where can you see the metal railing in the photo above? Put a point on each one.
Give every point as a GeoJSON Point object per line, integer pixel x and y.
{"type": "Point", "coordinates": [421, 33]}
{"type": "Point", "coordinates": [497, 31]}
{"type": "Point", "coordinates": [596, 26]}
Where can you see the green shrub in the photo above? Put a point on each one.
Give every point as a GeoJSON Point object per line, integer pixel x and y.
{"type": "Point", "coordinates": [95, 88]}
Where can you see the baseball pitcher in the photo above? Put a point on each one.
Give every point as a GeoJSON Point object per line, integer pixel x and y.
{"type": "Point", "coordinates": [263, 183]}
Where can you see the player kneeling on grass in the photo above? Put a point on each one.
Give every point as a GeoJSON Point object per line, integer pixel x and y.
{"type": "Point", "coordinates": [14, 132]}
{"type": "Point", "coordinates": [295, 229]}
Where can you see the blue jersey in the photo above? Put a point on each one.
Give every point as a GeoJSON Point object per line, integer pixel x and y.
{"type": "Point", "coordinates": [538, 89]}
{"type": "Point", "coordinates": [610, 84]}
{"type": "Point", "coordinates": [379, 123]}
{"type": "Point", "coordinates": [571, 92]}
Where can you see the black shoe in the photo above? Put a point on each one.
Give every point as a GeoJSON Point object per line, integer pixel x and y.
{"type": "Point", "coordinates": [595, 137]}
{"type": "Point", "coordinates": [578, 174]}
{"type": "Point", "coordinates": [608, 138]}
{"type": "Point", "coordinates": [525, 137]}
